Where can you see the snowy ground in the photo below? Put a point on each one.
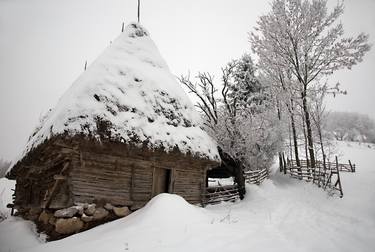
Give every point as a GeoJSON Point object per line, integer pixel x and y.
{"type": "Point", "coordinates": [282, 214]}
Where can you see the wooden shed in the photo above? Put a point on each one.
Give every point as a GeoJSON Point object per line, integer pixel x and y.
{"type": "Point", "coordinates": [124, 132]}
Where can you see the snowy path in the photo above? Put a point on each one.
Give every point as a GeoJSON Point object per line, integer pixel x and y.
{"type": "Point", "coordinates": [282, 214]}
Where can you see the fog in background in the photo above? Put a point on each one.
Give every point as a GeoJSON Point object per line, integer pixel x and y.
{"type": "Point", "coordinates": [45, 43]}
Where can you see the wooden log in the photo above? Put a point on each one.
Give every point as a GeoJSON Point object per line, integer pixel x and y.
{"type": "Point", "coordinates": [59, 177]}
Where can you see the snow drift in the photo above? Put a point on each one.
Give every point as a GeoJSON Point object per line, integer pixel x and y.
{"type": "Point", "coordinates": [128, 94]}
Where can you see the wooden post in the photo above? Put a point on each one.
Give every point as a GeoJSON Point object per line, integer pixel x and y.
{"type": "Point", "coordinates": [280, 162]}
{"type": "Point", "coordinates": [122, 29]}
{"type": "Point", "coordinates": [338, 178]}
{"type": "Point", "coordinates": [85, 65]}
{"type": "Point", "coordinates": [139, 10]}
{"type": "Point", "coordinates": [322, 175]}
{"type": "Point", "coordinates": [352, 168]}
{"type": "Point", "coordinates": [50, 194]}
{"type": "Point", "coordinates": [284, 163]}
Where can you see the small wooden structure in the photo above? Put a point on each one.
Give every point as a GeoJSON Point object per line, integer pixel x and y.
{"type": "Point", "coordinates": [124, 132]}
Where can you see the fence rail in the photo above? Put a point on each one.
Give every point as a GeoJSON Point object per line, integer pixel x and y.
{"type": "Point", "coordinates": [344, 167]}
{"type": "Point", "coordinates": [325, 174]}
{"type": "Point", "coordinates": [256, 176]}
{"type": "Point", "coordinates": [215, 195]}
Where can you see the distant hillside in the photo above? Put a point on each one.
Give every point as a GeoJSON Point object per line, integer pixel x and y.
{"type": "Point", "coordinates": [351, 126]}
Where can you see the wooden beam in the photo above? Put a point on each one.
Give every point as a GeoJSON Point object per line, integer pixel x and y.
{"type": "Point", "coordinates": [59, 177]}
{"type": "Point", "coordinates": [53, 191]}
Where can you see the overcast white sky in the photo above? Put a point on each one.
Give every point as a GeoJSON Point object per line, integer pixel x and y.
{"type": "Point", "coordinates": [44, 44]}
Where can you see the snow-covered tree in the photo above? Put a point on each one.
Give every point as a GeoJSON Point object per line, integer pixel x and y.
{"type": "Point", "coordinates": [351, 126]}
{"type": "Point", "coordinates": [302, 37]}
{"type": "Point", "coordinates": [241, 118]}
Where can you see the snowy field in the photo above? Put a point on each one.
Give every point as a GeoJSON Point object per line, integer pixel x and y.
{"type": "Point", "coordinates": [282, 214]}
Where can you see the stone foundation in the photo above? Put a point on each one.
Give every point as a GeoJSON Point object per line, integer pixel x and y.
{"type": "Point", "coordinates": [58, 224]}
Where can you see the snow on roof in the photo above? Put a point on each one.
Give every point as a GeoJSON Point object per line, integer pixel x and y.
{"type": "Point", "coordinates": [129, 94]}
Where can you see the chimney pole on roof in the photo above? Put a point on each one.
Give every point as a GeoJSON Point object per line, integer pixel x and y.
{"type": "Point", "coordinates": [139, 6]}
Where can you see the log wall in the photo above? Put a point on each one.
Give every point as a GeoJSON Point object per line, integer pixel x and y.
{"type": "Point", "coordinates": [81, 170]}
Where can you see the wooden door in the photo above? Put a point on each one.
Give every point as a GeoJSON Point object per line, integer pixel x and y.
{"type": "Point", "coordinates": [161, 181]}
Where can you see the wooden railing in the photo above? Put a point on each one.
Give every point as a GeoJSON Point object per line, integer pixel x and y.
{"type": "Point", "coordinates": [217, 194]}
{"type": "Point", "coordinates": [344, 167]}
{"type": "Point", "coordinates": [256, 176]}
{"type": "Point", "coordinates": [325, 174]}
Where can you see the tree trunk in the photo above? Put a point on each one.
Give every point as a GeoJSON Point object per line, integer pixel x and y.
{"type": "Point", "coordinates": [308, 127]}
{"type": "Point", "coordinates": [278, 110]}
{"type": "Point", "coordinates": [290, 141]}
{"type": "Point", "coordinates": [295, 142]}
{"type": "Point", "coordinates": [305, 137]}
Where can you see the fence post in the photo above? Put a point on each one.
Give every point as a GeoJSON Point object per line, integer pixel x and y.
{"type": "Point", "coordinates": [338, 178]}
{"type": "Point", "coordinates": [352, 168]}
{"type": "Point", "coordinates": [322, 175]}
{"type": "Point", "coordinates": [280, 162]}
{"type": "Point", "coordinates": [284, 163]}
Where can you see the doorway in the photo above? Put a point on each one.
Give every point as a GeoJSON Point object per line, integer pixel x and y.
{"type": "Point", "coordinates": [161, 181]}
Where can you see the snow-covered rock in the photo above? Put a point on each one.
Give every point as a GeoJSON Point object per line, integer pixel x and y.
{"type": "Point", "coordinates": [90, 210]}
{"type": "Point", "coordinates": [66, 212]}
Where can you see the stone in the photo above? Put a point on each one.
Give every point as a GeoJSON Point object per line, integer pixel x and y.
{"type": "Point", "coordinates": [121, 211]}
{"type": "Point", "coordinates": [52, 220]}
{"type": "Point", "coordinates": [90, 210]}
{"type": "Point", "coordinates": [84, 205]}
{"type": "Point", "coordinates": [86, 218]}
{"type": "Point", "coordinates": [100, 213]}
{"type": "Point", "coordinates": [66, 212]}
{"type": "Point", "coordinates": [68, 226]}
{"type": "Point", "coordinates": [35, 211]}
{"type": "Point", "coordinates": [44, 217]}
{"type": "Point", "coordinates": [108, 206]}
{"type": "Point", "coordinates": [32, 217]}
{"type": "Point", "coordinates": [80, 209]}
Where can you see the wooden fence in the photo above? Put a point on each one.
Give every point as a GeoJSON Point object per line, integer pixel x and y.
{"type": "Point", "coordinates": [325, 174]}
{"type": "Point", "coordinates": [217, 194]}
{"type": "Point", "coordinates": [256, 176]}
{"type": "Point", "coordinates": [343, 167]}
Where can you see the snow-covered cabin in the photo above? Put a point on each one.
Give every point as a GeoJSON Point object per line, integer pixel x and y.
{"type": "Point", "coordinates": [124, 132]}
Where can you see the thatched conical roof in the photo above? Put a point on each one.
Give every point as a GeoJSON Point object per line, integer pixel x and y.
{"type": "Point", "coordinates": [128, 94]}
